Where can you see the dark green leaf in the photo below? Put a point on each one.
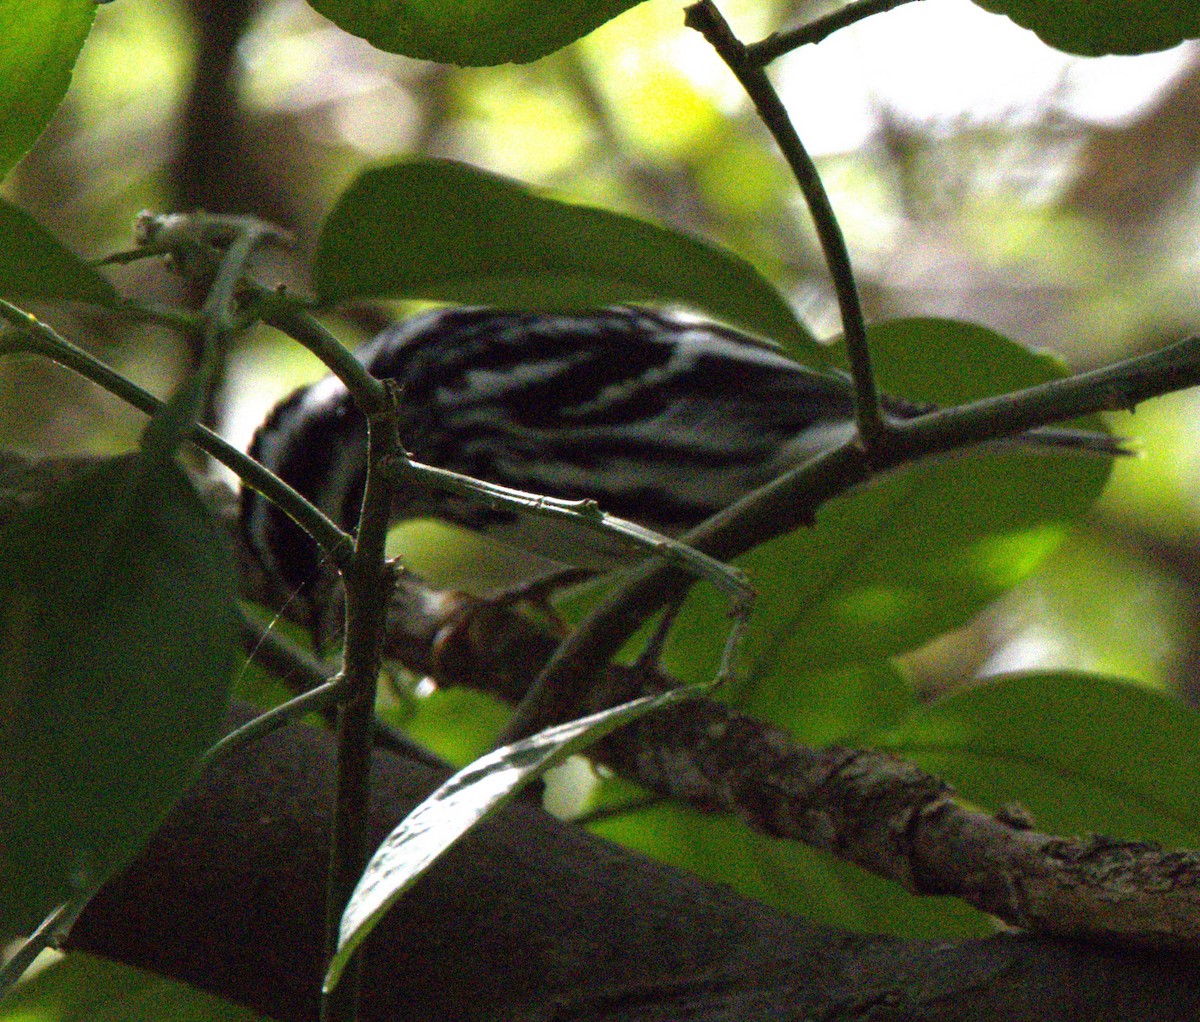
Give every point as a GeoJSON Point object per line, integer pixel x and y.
{"type": "Point", "coordinates": [1082, 753]}
{"type": "Point", "coordinates": [116, 647]}
{"type": "Point", "coordinates": [40, 41]}
{"type": "Point", "coordinates": [34, 265]}
{"type": "Point", "coordinates": [1093, 28]}
{"type": "Point", "coordinates": [447, 232]}
{"type": "Point", "coordinates": [477, 34]}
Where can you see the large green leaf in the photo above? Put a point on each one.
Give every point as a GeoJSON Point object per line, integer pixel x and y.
{"type": "Point", "coordinates": [476, 34]}
{"type": "Point", "coordinates": [1093, 28]}
{"type": "Point", "coordinates": [116, 648]}
{"type": "Point", "coordinates": [446, 232]}
{"type": "Point", "coordinates": [914, 554]}
{"type": "Point", "coordinates": [34, 265]}
{"type": "Point", "coordinates": [81, 988]}
{"type": "Point", "coordinates": [1083, 753]}
{"type": "Point", "coordinates": [40, 41]}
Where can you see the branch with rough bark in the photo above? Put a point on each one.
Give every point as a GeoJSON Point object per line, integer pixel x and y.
{"type": "Point", "coordinates": [870, 808]}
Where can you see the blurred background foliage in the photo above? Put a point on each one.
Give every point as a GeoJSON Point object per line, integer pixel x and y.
{"type": "Point", "coordinates": [977, 174]}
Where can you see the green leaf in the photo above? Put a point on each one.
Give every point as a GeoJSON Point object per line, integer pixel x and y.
{"type": "Point", "coordinates": [116, 648]}
{"type": "Point", "coordinates": [40, 41]}
{"type": "Point", "coordinates": [787, 876]}
{"type": "Point", "coordinates": [1093, 28]}
{"type": "Point", "coordinates": [477, 34]}
{"type": "Point", "coordinates": [34, 265]}
{"type": "Point", "coordinates": [916, 553]}
{"type": "Point", "coordinates": [80, 988]}
{"type": "Point", "coordinates": [462, 802]}
{"type": "Point", "coordinates": [823, 708]}
{"type": "Point", "coordinates": [446, 232]}
{"type": "Point", "coordinates": [1082, 753]}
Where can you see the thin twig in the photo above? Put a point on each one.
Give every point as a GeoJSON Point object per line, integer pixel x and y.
{"type": "Point", "coordinates": [313, 701]}
{"type": "Point", "coordinates": [287, 314]}
{"type": "Point", "coordinates": [778, 43]}
{"type": "Point", "coordinates": [586, 514]}
{"type": "Point", "coordinates": [708, 21]}
{"type": "Point", "coordinates": [1120, 386]}
{"type": "Point", "coordinates": [300, 671]}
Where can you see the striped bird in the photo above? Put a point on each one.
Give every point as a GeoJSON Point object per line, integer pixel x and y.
{"type": "Point", "coordinates": [661, 418]}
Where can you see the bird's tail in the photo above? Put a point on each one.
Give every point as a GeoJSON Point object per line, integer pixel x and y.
{"type": "Point", "coordinates": [1076, 439]}
{"type": "Point", "coordinates": [1090, 440]}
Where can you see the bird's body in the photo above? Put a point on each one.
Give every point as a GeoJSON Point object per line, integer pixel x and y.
{"type": "Point", "coordinates": [661, 419]}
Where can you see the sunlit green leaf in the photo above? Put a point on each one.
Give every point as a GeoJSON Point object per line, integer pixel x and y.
{"type": "Point", "coordinates": [81, 988]}
{"type": "Point", "coordinates": [788, 876]}
{"type": "Point", "coordinates": [1096, 27]}
{"type": "Point", "coordinates": [476, 34]}
{"type": "Point", "coordinates": [39, 43]}
{"type": "Point", "coordinates": [915, 554]}
{"type": "Point", "coordinates": [1083, 753]}
{"type": "Point", "coordinates": [447, 232]}
{"type": "Point", "coordinates": [116, 644]}
{"type": "Point", "coordinates": [457, 724]}
{"type": "Point", "coordinates": [34, 265]}
{"type": "Point", "coordinates": [826, 707]}
{"type": "Point", "coordinates": [461, 803]}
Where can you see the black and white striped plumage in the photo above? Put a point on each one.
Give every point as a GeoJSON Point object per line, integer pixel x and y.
{"type": "Point", "coordinates": [661, 419]}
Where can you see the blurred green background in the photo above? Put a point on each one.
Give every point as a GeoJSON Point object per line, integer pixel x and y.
{"type": "Point", "coordinates": [977, 174]}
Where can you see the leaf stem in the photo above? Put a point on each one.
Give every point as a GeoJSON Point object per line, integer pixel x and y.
{"type": "Point", "coordinates": [708, 21]}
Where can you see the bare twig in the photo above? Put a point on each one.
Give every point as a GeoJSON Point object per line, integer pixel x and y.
{"type": "Point", "coordinates": [778, 43]}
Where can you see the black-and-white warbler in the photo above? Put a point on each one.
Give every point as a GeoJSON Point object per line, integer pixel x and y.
{"type": "Point", "coordinates": [661, 419]}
